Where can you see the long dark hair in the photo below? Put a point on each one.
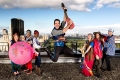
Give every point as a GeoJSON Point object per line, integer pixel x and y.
{"type": "Point", "coordinates": [97, 33]}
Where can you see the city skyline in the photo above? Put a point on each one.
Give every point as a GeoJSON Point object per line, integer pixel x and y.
{"type": "Point", "coordinates": [88, 15]}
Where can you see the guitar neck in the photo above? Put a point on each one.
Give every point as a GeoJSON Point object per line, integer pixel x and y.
{"type": "Point", "coordinates": [65, 13]}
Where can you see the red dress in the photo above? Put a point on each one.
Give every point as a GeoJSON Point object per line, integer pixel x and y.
{"type": "Point", "coordinates": [87, 66]}
{"type": "Point", "coordinates": [88, 63]}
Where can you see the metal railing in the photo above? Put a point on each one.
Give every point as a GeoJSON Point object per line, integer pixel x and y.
{"type": "Point", "coordinates": [74, 45]}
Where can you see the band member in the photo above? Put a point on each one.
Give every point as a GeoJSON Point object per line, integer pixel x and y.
{"type": "Point", "coordinates": [109, 48]}
{"type": "Point", "coordinates": [89, 56]}
{"type": "Point", "coordinates": [22, 38]}
{"type": "Point", "coordinates": [59, 45]}
{"type": "Point", "coordinates": [37, 46]}
{"type": "Point", "coordinates": [15, 67]}
{"type": "Point", "coordinates": [29, 37]}
{"type": "Point", "coordinates": [98, 52]}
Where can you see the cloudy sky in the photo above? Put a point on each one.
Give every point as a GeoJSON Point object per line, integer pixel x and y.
{"type": "Point", "coordinates": [88, 15]}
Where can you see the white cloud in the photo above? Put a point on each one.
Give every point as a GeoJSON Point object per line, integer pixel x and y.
{"type": "Point", "coordinates": [91, 29]}
{"type": "Point", "coordinates": [101, 3]}
{"type": "Point", "coordinates": [115, 5]}
{"type": "Point", "coordinates": [83, 1]}
{"type": "Point", "coordinates": [80, 5]}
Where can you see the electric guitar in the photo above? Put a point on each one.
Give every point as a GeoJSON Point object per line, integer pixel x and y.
{"type": "Point", "coordinates": [67, 18]}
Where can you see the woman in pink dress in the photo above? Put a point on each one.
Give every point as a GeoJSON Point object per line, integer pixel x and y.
{"type": "Point", "coordinates": [88, 56]}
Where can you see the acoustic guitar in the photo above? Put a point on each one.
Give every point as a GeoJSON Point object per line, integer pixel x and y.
{"type": "Point", "coordinates": [67, 18]}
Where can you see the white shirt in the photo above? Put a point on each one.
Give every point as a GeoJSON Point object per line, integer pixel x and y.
{"type": "Point", "coordinates": [36, 44]}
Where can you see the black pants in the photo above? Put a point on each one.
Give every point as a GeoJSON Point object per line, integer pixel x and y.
{"type": "Point", "coordinates": [107, 59]}
{"type": "Point", "coordinates": [104, 55]}
{"type": "Point", "coordinates": [58, 50]}
{"type": "Point", "coordinates": [98, 66]}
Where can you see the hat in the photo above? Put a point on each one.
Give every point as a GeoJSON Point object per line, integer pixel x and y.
{"type": "Point", "coordinates": [111, 30]}
{"type": "Point", "coordinates": [36, 32]}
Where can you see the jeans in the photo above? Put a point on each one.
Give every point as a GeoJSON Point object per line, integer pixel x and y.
{"type": "Point", "coordinates": [38, 61]}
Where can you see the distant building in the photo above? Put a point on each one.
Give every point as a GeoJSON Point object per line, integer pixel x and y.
{"type": "Point", "coordinates": [17, 26]}
{"type": "Point", "coordinates": [77, 35]}
{"type": "Point", "coordinates": [4, 40]}
{"type": "Point", "coordinates": [5, 35]}
{"type": "Point", "coordinates": [4, 31]}
{"type": "Point", "coordinates": [43, 38]}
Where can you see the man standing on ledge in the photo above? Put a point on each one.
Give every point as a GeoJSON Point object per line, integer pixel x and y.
{"type": "Point", "coordinates": [59, 40]}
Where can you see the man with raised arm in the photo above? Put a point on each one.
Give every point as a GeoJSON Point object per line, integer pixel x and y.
{"type": "Point", "coordinates": [59, 40]}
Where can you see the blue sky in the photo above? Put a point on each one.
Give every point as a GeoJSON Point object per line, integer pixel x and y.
{"type": "Point", "coordinates": [88, 15]}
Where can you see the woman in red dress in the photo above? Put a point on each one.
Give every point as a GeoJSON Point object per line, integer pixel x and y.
{"type": "Point", "coordinates": [88, 57]}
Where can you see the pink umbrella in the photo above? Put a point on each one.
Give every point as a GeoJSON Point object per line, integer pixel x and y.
{"type": "Point", "coordinates": [21, 53]}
